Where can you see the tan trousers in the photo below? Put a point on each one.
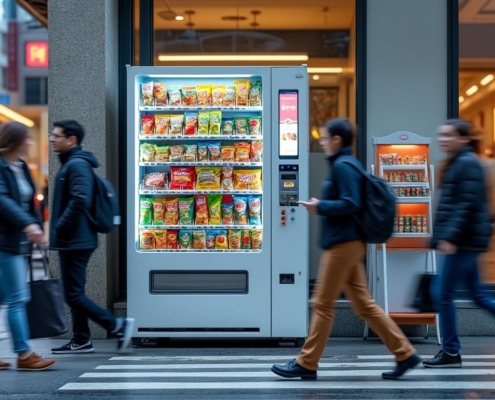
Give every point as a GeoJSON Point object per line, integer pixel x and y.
{"type": "Point", "coordinates": [341, 269]}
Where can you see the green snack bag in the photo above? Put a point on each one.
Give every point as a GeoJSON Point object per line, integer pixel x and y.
{"type": "Point", "coordinates": [255, 94]}
{"type": "Point", "coordinates": [254, 125]}
{"type": "Point", "coordinates": [145, 211]}
{"type": "Point", "coordinates": [185, 239]}
{"type": "Point", "coordinates": [215, 209]}
{"type": "Point", "coordinates": [203, 123]}
{"type": "Point", "coordinates": [246, 239]}
{"type": "Point", "coordinates": [186, 211]}
{"type": "Point", "coordinates": [147, 152]}
{"type": "Point", "coordinates": [158, 212]}
{"type": "Point", "coordinates": [241, 125]}
{"type": "Point", "coordinates": [227, 126]}
{"type": "Point", "coordinates": [215, 122]}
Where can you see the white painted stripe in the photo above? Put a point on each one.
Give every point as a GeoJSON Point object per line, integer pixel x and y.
{"type": "Point", "coordinates": [277, 385]}
{"type": "Point", "coordinates": [464, 357]}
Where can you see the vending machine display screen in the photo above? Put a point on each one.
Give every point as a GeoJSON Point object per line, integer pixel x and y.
{"type": "Point", "coordinates": [289, 126]}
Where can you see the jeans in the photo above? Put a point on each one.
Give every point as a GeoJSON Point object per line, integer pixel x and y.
{"type": "Point", "coordinates": [15, 293]}
{"type": "Point", "coordinates": [459, 267]}
{"type": "Point", "coordinates": [73, 264]}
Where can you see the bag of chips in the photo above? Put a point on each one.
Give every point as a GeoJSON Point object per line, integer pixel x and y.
{"type": "Point", "coordinates": [176, 153]}
{"type": "Point", "coordinates": [229, 96]}
{"type": "Point", "coordinates": [211, 236]}
{"type": "Point", "coordinates": [172, 211]}
{"type": "Point", "coordinates": [227, 213]}
{"type": "Point", "coordinates": [199, 240]}
{"type": "Point", "coordinates": [256, 151]}
{"type": "Point", "coordinates": [172, 239]}
{"type": "Point", "coordinates": [254, 125]}
{"type": "Point", "coordinates": [201, 209]}
{"type": "Point", "coordinates": [185, 239]}
{"type": "Point", "coordinates": [221, 241]}
{"type": "Point", "coordinates": [235, 239]}
{"type": "Point", "coordinates": [203, 123]}
{"type": "Point", "coordinates": [175, 96]}
{"type": "Point", "coordinates": [186, 211]}
{"type": "Point", "coordinates": [160, 239]}
{"type": "Point", "coordinates": [256, 239]}
{"type": "Point", "coordinates": [247, 179]}
{"type": "Point", "coordinates": [204, 95]}
{"type": "Point", "coordinates": [255, 94]}
{"type": "Point", "coordinates": [227, 126]}
{"type": "Point", "coordinates": [147, 152]}
{"type": "Point", "coordinates": [146, 240]}
{"type": "Point", "coordinates": [240, 210]}
{"type": "Point", "coordinates": [147, 94]}
{"type": "Point", "coordinates": [190, 96]}
{"type": "Point", "coordinates": [228, 153]}
{"type": "Point", "coordinates": [158, 212]}
{"type": "Point", "coordinates": [254, 210]}
{"type": "Point", "coordinates": [160, 92]}
{"type": "Point", "coordinates": [162, 153]}
{"type": "Point", "coordinates": [217, 95]}
{"type": "Point", "coordinates": [145, 211]}
{"type": "Point", "coordinates": [162, 123]}
{"type": "Point", "coordinates": [176, 124]}
{"type": "Point", "coordinates": [191, 124]}
{"type": "Point", "coordinates": [190, 152]}
{"type": "Point", "coordinates": [214, 148]}
{"type": "Point", "coordinates": [246, 239]}
{"type": "Point", "coordinates": [242, 92]}
{"type": "Point", "coordinates": [215, 122]}
{"type": "Point", "coordinates": [227, 178]}
{"type": "Point", "coordinates": [182, 178]}
{"type": "Point", "coordinates": [155, 180]}
{"type": "Point", "coordinates": [241, 125]}
{"type": "Point", "coordinates": [242, 151]}
{"type": "Point", "coordinates": [215, 209]}
{"type": "Point", "coordinates": [202, 152]}
{"type": "Point", "coordinates": [147, 125]}
{"type": "Point", "coordinates": [208, 178]}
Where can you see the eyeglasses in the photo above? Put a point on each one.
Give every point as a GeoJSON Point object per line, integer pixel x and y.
{"type": "Point", "coordinates": [52, 135]}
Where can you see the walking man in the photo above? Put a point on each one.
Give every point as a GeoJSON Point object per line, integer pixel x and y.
{"type": "Point", "coordinates": [75, 239]}
{"type": "Point", "coordinates": [341, 267]}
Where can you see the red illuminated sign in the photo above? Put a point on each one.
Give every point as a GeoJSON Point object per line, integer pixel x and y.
{"type": "Point", "coordinates": [37, 54]}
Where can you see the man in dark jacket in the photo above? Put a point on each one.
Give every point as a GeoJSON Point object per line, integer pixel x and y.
{"type": "Point", "coordinates": [341, 267]}
{"type": "Point", "coordinates": [73, 236]}
{"type": "Point", "coordinates": [462, 230]}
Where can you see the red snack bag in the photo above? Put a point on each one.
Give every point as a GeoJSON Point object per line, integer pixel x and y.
{"type": "Point", "coordinates": [172, 239]}
{"type": "Point", "coordinates": [147, 124]}
{"type": "Point", "coordinates": [201, 209]}
{"type": "Point", "coordinates": [182, 178]}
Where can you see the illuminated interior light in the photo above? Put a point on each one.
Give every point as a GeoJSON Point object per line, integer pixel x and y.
{"type": "Point", "coordinates": [40, 197]}
{"type": "Point", "coordinates": [316, 77]}
{"type": "Point", "coordinates": [472, 90]}
{"type": "Point", "coordinates": [12, 115]}
{"type": "Point", "coordinates": [461, 99]}
{"type": "Point", "coordinates": [315, 134]}
{"type": "Point", "coordinates": [487, 79]}
{"type": "Point", "coordinates": [179, 18]}
{"type": "Point", "coordinates": [324, 70]}
{"type": "Point", "coordinates": [232, 57]}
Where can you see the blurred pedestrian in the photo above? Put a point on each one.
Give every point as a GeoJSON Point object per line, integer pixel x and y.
{"type": "Point", "coordinates": [341, 267]}
{"type": "Point", "coordinates": [75, 239]}
{"type": "Point", "coordinates": [461, 231]}
{"type": "Point", "coordinates": [19, 228]}
{"type": "Point", "coordinates": [44, 202]}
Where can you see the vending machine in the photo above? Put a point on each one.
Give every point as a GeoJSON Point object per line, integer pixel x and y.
{"type": "Point", "coordinates": [217, 244]}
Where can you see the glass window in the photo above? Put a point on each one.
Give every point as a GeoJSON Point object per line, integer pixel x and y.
{"type": "Point", "coordinates": [33, 90]}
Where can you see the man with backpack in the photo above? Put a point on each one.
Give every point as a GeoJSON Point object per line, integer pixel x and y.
{"type": "Point", "coordinates": [73, 233]}
{"type": "Point", "coordinates": [341, 268]}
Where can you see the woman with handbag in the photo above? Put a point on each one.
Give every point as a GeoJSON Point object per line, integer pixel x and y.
{"type": "Point", "coordinates": [19, 228]}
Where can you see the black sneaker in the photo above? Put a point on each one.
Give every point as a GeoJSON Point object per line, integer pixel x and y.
{"type": "Point", "coordinates": [73, 348]}
{"type": "Point", "coordinates": [443, 360]}
{"type": "Point", "coordinates": [124, 334]}
{"type": "Point", "coordinates": [294, 370]}
{"type": "Point", "coordinates": [402, 367]}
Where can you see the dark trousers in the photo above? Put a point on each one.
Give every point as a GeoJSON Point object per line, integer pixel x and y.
{"type": "Point", "coordinates": [73, 264]}
{"type": "Point", "coordinates": [459, 267]}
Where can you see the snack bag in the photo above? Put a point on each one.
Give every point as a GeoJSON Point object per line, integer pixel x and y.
{"type": "Point", "coordinates": [202, 152]}
{"type": "Point", "coordinates": [147, 125]}
{"type": "Point", "coordinates": [190, 152]}
{"type": "Point", "coordinates": [176, 124]}
{"type": "Point", "coordinates": [254, 210]}
{"type": "Point", "coordinates": [172, 211]}
{"type": "Point", "coordinates": [240, 210]}
{"type": "Point", "coordinates": [241, 125]}
{"type": "Point", "coordinates": [214, 148]}
{"type": "Point", "coordinates": [215, 122]}
{"type": "Point", "coordinates": [211, 237]}
{"type": "Point", "coordinates": [146, 240]}
{"type": "Point", "coordinates": [191, 123]}
{"type": "Point", "coordinates": [247, 179]}
{"type": "Point", "coordinates": [162, 153]}
{"type": "Point", "coordinates": [182, 178]}
{"type": "Point", "coordinates": [203, 123]}
{"type": "Point", "coordinates": [242, 92]}
{"type": "Point", "coordinates": [160, 239]}
{"type": "Point", "coordinates": [162, 122]}
{"type": "Point", "coordinates": [256, 239]}
{"type": "Point", "coordinates": [228, 153]}
{"type": "Point", "coordinates": [217, 95]}
{"type": "Point", "coordinates": [147, 152]}
{"type": "Point", "coordinates": [228, 214]}
{"type": "Point", "coordinates": [145, 211]}
{"type": "Point", "coordinates": [227, 126]}
{"type": "Point", "coordinates": [208, 178]}
{"type": "Point", "coordinates": [201, 209]}
{"type": "Point", "coordinates": [221, 241]}
{"type": "Point", "coordinates": [147, 94]}
{"type": "Point", "coordinates": [227, 178]}
{"type": "Point", "coordinates": [215, 209]}
{"type": "Point", "coordinates": [175, 96]}
{"type": "Point", "coordinates": [185, 239]}
{"type": "Point", "coordinates": [155, 180]}
{"type": "Point", "coordinates": [204, 95]}
{"type": "Point", "coordinates": [199, 240]}
{"type": "Point", "coordinates": [160, 92]}
{"type": "Point", "coordinates": [176, 153]}
{"type": "Point", "coordinates": [171, 239]}
{"type": "Point", "coordinates": [254, 125]}
{"type": "Point", "coordinates": [242, 151]}
{"type": "Point", "coordinates": [158, 212]}
{"type": "Point", "coordinates": [246, 239]}
{"type": "Point", "coordinates": [235, 239]}
{"type": "Point", "coordinates": [255, 94]}
{"type": "Point", "coordinates": [186, 211]}
{"type": "Point", "coordinates": [256, 151]}
{"type": "Point", "coordinates": [190, 96]}
{"type": "Point", "coordinates": [229, 96]}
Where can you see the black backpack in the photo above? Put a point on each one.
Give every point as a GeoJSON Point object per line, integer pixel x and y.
{"type": "Point", "coordinates": [377, 216]}
{"type": "Point", "coordinates": [105, 214]}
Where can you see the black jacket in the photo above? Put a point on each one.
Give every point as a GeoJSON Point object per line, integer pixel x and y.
{"type": "Point", "coordinates": [70, 228]}
{"type": "Point", "coordinates": [13, 219]}
{"type": "Point", "coordinates": [341, 201]}
{"type": "Point", "coordinates": [462, 214]}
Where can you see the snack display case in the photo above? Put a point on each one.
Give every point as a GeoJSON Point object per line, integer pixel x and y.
{"type": "Point", "coordinates": [217, 160]}
{"type": "Point", "coordinates": [403, 160]}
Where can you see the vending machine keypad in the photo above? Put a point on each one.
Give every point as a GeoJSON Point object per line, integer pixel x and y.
{"type": "Point", "coordinates": [288, 185]}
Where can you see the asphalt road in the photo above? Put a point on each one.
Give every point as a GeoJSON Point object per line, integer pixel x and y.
{"type": "Point", "coordinates": [232, 369]}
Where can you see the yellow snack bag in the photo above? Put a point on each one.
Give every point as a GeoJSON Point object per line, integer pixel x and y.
{"type": "Point", "coordinates": [217, 95]}
{"type": "Point", "coordinates": [242, 92]}
{"type": "Point", "coordinates": [247, 179]}
{"type": "Point", "coordinates": [208, 178]}
{"type": "Point", "coordinates": [204, 95]}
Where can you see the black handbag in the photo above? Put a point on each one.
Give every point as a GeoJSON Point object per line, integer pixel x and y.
{"type": "Point", "coordinates": [423, 300]}
{"type": "Point", "coordinates": [46, 312]}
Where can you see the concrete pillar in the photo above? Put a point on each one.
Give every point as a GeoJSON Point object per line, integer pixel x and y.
{"type": "Point", "coordinates": [83, 85]}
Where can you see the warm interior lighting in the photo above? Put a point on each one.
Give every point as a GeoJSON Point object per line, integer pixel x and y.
{"type": "Point", "coordinates": [315, 134]}
{"type": "Point", "coordinates": [324, 70]}
{"type": "Point", "coordinates": [40, 197]}
{"type": "Point", "coordinates": [12, 115]}
{"type": "Point", "coordinates": [487, 79]}
{"type": "Point", "coordinates": [494, 125]}
{"type": "Point", "coordinates": [461, 99]}
{"type": "Point", "coordinates": [316, 77]}
{"type": "Point", "coordinates": [472, 90]}
{"type": "Point", "coordinates": [179, 18]}
{"type": "Point", "coordinates": [232, 57]}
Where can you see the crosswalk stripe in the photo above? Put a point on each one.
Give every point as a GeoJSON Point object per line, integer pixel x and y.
{"type": "Point", "coordinates": [464, 357]}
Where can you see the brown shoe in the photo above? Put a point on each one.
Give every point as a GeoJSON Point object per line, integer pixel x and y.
{"type": "Point", "coordinates": [34, 363]}
{"type": "Point", "coordinates": [4, 365]}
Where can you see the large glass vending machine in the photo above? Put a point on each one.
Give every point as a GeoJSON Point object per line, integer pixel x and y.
{"type": "Point", "coordinates": [217, 245]}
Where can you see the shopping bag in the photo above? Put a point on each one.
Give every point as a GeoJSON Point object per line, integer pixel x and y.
{"type": "Point", "coordinates": [423, 300]}
{"type": "Point", "coordinates": [46, 312]}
